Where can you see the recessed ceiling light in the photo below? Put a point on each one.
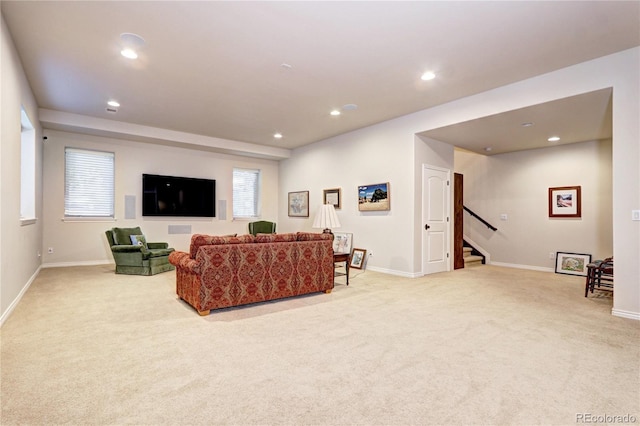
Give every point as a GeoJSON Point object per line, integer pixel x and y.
{"type": "Point", "coordinates": [129, 53]}
{"type": "Point", "coordinates": [335, 112]}
{"type": "Point", "coordinates": [130, 42]}
{"type": "Point", "coordinates": [488, 149]}
{"type": "Point", "coordinates": [349, 107]}
{"type": "Point", "coordinates": [429, 75]}
{"type": "Point", "coordinates": [278, 135]}
{"type": "Point", "coordinates": [554, 139]}
{"type": "Point", "coordinates": [527, 124]}
{"type": "Point", "coordinates": [113, 104]}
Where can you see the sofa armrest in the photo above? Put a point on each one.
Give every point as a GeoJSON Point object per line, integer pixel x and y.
{"type": "Point", "coordinates": [127, 248]}
{"type": "Point", "coordinates": [182, 260]}
{"type": "Point", "coordinates": [158, 245]}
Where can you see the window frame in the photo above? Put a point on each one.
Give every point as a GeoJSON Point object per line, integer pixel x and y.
{"type": "Point", "coordinates": [106, 204]}
{"type": "Point", "coordinates": [257, 194]}
{"type": "Point", "coordinates": [27, 169]}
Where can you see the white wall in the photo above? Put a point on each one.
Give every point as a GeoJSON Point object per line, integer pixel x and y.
{"type": "Point", "coordinates": [517, 184]}
{"type": "Point", "coordinates": [19, 245]}
{"type": "Point", "coordinates": [84, 242]}
{"type": "Point", "coordinates": [374, 155]}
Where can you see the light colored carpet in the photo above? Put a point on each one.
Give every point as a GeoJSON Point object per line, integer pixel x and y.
{"type": "Point", "coordinates": [484, 345]}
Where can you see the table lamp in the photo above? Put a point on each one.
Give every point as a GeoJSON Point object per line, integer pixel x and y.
{"type": "Point", "coordinates": [326, 218]}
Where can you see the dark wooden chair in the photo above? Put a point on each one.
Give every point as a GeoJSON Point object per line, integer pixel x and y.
{"type": "Point", "coordinates": [599, 276]}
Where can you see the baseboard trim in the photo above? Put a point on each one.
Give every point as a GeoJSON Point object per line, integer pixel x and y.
{"type": "Point", "coordinates": [84, 263]}
{"type": "Point", "coordinates": [17, 300]}
{"type": "Point", "coordinates": [394, 272]}
{"type": "Point", "coordinates": [625, 314]}
{"type": "Point", "coordinates": [515, 265]}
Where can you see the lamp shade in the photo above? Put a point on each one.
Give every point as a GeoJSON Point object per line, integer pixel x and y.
{"type": "Point", "coordinates": [326, 217]}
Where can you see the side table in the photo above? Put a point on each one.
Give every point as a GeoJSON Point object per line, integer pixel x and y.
{"type": "Point", "coordinates": [342, 257]}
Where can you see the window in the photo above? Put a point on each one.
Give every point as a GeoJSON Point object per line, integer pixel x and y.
{"type": "Point", "coordinates": [27, 170]}
{"type": "Point", "coordinates": [246, 193]}
{"type": "Point", "coordinates": [88, 183]}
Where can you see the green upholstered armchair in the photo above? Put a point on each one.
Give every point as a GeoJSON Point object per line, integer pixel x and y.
{"type": "Point", "coordinates": [262, 227]}
{"type": "Point", "coordinates": [135, 256]}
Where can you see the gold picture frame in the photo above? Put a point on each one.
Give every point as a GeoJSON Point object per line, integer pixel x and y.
{"type": "Point", "coordinates": [332, 196]}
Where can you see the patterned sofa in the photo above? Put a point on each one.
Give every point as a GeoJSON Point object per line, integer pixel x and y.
{"type": "Point", "coordinates": [220, 272]}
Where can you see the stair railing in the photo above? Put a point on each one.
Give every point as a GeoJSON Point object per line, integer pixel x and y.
{"type": "Point", "coordinates": [473, 214]}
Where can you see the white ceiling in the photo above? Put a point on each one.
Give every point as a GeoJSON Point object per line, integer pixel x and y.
{"type": "Point", "coordinates": [215, 68]}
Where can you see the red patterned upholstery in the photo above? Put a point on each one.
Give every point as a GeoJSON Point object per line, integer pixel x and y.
{"type": "Point", "coordinates": [276, 238]}
{"type": "Point", "coordinates": [198, 240]}
{"type": "Point", "coordinates": [232, 273]}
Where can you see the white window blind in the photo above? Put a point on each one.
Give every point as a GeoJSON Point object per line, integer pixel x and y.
{"type": "Point", "coordinates": [246, 193]}
{"type": "Point", "coordinates": [88, 183]}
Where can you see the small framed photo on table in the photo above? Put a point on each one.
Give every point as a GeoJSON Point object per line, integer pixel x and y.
{"type": "Point", "coordinates": [357, 258]}
{"type": "Point", "coordinates": [342, 242]}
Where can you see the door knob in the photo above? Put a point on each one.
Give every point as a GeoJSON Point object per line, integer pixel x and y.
{"type": "Point", "coordinates": [426, 227]}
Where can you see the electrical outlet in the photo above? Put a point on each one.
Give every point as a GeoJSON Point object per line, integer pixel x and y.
{"type": "Point", "coordinates": [50, 250]}
{"type": "Point", "coordinates": [635, 214]}
{"type": "Point", "coordinates": [552, 255]}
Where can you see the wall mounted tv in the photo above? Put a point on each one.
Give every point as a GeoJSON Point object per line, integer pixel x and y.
{"type": "Point", "coordinates": [178, 196]}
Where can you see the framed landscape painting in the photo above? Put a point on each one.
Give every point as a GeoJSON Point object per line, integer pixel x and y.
{"type": "Point", "coordinates": [565, 201]}
{"type": "Point", "coordinates": [572, 263]}
{"type": "Point", "coordinates": [374, 197]}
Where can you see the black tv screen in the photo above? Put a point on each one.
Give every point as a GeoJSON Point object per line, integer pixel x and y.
{"type": "Point", "coordinates": [178, 196]}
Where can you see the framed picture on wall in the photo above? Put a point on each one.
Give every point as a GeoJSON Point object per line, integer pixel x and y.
{"type": "Point", "coordinates": [332, 196]}
{"type": "Point", "coordinates": [374, 197]}
{"type": "Point", "coordinates": [565, 201]}
{"type": "Point", "coordinates": [299, 204]}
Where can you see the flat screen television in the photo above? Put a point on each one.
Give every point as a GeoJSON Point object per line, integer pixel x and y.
{"type": "Point", "coordinates": [178, 196]}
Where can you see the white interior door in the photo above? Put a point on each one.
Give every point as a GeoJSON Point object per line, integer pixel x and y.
{"type": "Point", "coordinates": [435, 219]}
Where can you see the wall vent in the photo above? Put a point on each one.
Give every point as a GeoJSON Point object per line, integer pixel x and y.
{"type": "Point", "coordinates": [180, 229]}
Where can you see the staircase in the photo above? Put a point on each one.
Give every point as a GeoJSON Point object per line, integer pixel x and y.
{"type": "Point", "coordinates": [471, 259]}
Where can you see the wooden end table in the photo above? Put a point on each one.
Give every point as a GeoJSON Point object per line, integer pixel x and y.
{"type": "Point", "coordinates": [342, 257]}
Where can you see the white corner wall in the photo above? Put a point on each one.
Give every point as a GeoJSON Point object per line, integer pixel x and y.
{"type": "Point", "coordinates": [384, 150]}
{"type": "Point", "coordinates": [19, 245]}
{"type": "Point", "coordinates": [84, 242]}
{"type": "Point", "coordinates": [517, 184]}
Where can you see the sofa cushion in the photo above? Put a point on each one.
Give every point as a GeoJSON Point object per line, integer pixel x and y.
{"type": "Point", "coordinates": [123, 235]}
{"type": "Point", "coordinates": [276, 238]}
{"type": "Point", "coordinates": [312, 236]}
{"type": "Point", "coordinates": [138, 240]}
{"type": "Point", "coordinates": [198, 240]}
